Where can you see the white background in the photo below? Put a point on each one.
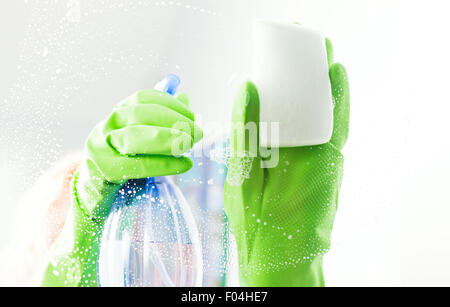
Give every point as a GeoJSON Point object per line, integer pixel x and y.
{"type": "Point", "coordinates": [61, 72]}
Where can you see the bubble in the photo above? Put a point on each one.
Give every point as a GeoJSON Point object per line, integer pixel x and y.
{"type": "Point", "coordinates": [239, 166]}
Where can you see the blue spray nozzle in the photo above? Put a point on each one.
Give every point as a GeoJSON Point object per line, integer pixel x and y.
{"type": "Point", "coordinates": [170, 84]}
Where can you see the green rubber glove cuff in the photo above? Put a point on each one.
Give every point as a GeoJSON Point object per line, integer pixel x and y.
{"type": "Point", "coordinates": [76, 250]}
{"type": "Point", "coordinates": [302, 275]}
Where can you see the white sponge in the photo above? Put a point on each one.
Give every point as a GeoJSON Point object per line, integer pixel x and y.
{"type": "Point", "coordinates": [291, 73]}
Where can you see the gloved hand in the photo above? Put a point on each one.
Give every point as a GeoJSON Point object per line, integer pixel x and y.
{"type": "Point", "coordinates": [282, 217]}
{"type": "Point", "coordinates": [135, 142]}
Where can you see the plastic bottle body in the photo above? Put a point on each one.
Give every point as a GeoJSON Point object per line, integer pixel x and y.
{"type": "Point", "coordinates": [150, 238]}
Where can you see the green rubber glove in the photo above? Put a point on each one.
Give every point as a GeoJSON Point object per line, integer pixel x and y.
{"type": "Point", "coordinates": [282, 218]}
{"type": "Point", "coordinates": [134, 142]}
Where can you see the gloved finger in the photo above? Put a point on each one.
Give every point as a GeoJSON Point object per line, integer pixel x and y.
{"type": "Point", "coordinates": [154, 97]}
{"type": "Point", "coordinates": [245, 176]}
{"type": "Point", "coordinates": [330, 52]}
{"type": "Point", "coordinates": [152, 115]}
{"type": "Point", "coordinates": [119, 169]}
{"type": "Point", "coordinates": [341, 97]}
{"type": "Point", "coordinates": [149, 140]}
{"type": "Point", "coordinates": [244, 136]}
{"type": "Point", "coordinates": [184, 98]}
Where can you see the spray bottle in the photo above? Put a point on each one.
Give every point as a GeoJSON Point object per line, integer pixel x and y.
{"type": "Point", "coordinates": [150, 237]}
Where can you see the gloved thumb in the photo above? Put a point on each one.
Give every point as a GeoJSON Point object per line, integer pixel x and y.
{"type": "Point", "coordinates": [244, 136]}
{"type": "Point", "coordinates": [341, 97]}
